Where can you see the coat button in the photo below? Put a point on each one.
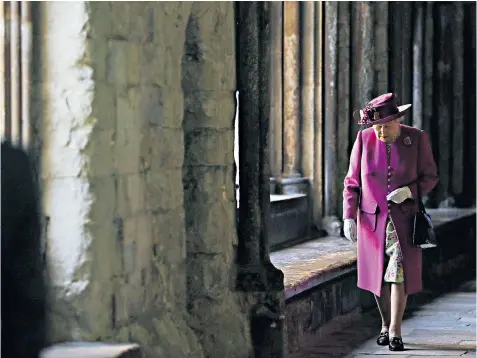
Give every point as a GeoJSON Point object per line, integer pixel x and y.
{"type": "Point", "coordinates": [389, 180]}
{"type": "Point", "coordinates": [389, 168]}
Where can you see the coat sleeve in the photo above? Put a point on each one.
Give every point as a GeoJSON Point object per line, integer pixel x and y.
{"type": "Point", "coordinates": [352, 189]}
{"type": "Point", "coordinates": [426, 168]}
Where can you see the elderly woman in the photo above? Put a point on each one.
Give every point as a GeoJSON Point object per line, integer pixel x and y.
{"type": "Point", "coordinates": [389, 163]}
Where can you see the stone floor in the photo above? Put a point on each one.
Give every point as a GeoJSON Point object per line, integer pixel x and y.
{"type": "Point", "coordinates": [444, 327]}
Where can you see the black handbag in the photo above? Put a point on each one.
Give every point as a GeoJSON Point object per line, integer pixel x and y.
{"type": "Point", "coordinates": [423, 235]}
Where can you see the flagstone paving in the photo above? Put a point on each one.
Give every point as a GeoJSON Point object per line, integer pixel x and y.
{"type": "Point", "coordinates": [443, 327]}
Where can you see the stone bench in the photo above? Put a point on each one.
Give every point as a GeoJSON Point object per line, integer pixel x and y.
{"type": "Point", "coordinates": [320, 275]}
{"type": "Point", "coordinates": [92, 350]}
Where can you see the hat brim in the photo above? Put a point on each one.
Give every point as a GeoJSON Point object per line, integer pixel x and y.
{"type": "Point", "coordinates": [401, 112]}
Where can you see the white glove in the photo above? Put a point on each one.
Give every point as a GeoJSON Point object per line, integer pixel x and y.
{"type": "Point", "coordinates": [399, 195]}
{"type": "Point", "coordinates": [350, 230]}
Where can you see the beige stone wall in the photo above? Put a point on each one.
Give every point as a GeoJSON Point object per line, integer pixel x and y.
{"type": "Point", "coordinates": [134, 112]}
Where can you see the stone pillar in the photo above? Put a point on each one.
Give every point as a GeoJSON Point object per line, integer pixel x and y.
{"type": "Point", "coordinates": [363, 56]}
{"type": "Point", "coordinates": [381, 46]}
{"type": "Point", "coordinates": [444, 40]}
{"type": "Point", "coordinates": [429, 84]}
{"type": "Point", "coordinates": [330, 114]}
{"type": "Point", "coordinates": [457, 177]}
{"type": "Point", "coordinates": [291, 99]}
{"type": "Point", "coordinates": [307, 100]}
{"type": "Point", "coordinates": [308, 87]}
{"type": "Point", "coordinates": [418, 67]}
{"type": "Point", "coordinates": [406, 55]}
{"type": "Point", "coordinates": [318, 116]}
{"type": "Point", "coordinates": [343, 93]}
{"type": "Point", "coordinates": [256, 273]}
{"type": "Point", "coordinates": [276, 88]}
{"type": "Point", "coordinates": [249, 131]}
{"type": "Point", "coordinates": [366, 74]}
{"type": "Point", "coordinates": [470, 10]}
{"type": "Point", "coordinates": [395, 48]}
{"type": "Point", "coordinates": [428, 69]}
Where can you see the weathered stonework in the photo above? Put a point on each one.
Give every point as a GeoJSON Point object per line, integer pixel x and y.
{"type": "Point", "coordinates": [134, 118]}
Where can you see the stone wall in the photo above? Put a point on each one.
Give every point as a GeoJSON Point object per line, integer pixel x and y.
{"type": "Point", "coordinates": [133, 111]}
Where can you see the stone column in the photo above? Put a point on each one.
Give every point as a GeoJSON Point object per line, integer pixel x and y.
{"type": "Point", "coordinates": [428, 69]}
{"type": "Point", "coordinates": [256, 273]}
{"type": "Point", "coordinates": [406, 55]}
{"type": "Point", "coordinates": [249, 131]}
{"type": "Point", "coordinates": [428, 84]}
{"type": "Point", "coordinates": [276, 88]}
{"type": "Point", "coordinates": [343, 94]}
{"type": "Point", "coordinates": [318, 116]}
{"type": "Point", "coordinates": [457, 177]}
{"type": "Point", "coordinates": [330, 114]}
{"type": "Point", "coordinates": [308, 87]}
{"type": "Point", "coordinates": [307, 100]}
{"type": "Point", "coordinates": [418, 67]}
{"type": "Point", "coordinates": [366, 78]}
{"type": "Point", "coordinates": [363, 56]}
{"type": "Point", "coordinates": [395, 48]}
{"type": "Point", "coordinates": [444, 40]}
{"type": "Point", "coordinates": [291, 98]}
{"type": "Point", "coordinates": [381, 46]}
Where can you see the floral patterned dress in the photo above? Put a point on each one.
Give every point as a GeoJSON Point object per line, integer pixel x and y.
{"type": "Point", "coordinates": [393, 259]}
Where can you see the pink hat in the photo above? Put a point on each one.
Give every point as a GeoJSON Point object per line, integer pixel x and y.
{"type": "Point", "coordinates": [380, 110]}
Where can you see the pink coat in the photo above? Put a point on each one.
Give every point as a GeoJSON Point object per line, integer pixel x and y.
{"type": "Point", "coordinates": [412, 163]}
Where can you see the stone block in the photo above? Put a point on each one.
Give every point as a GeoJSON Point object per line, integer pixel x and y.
{"type": "Point", "coordinates": [216, 39]}
{"type": "Point", "coordinates": [152, 64]}
{"type": "Point", "coordinates": [130, 195]}
{"type": "Point", "coordinates": [104, 106]}
{"type": "Point", "coordinates": [171, 20]}
{"type": "Point", "coordinates": [96, 55]}
{"type": "Point", "coordinates": [206, 184]}
{"type": "Point", "coordinates": [223, 327]}
{"type": "Point", "coordinates": [103, 197]}
{"type": "Point", "coordinates": [141, 21]}
{"type": "Point", "coordinates": [209, 109]}
{"type": "Point", "coordinates": [209, 231]}
{"type": "Point", "coordinates": [208, 75]}
{"type": "Point", "coordinates": [127, 107]}
{"type": "Point", "coordinates": [209, 147]}
{"type": "Point", "coordinates": [120, 20]}
{"type": "Point", "coordinates": [150, 102]}
{"type": "Point", "coordinates": [101, 21]}
{"type": "Point", "coordinates": [168, 235]}
{"type": "Point", "coordinates": [92, 350]}
{"type": "Point", "coordinates": [127, 150]}
{"type": "Point", "coordinates": [100, 150]}
{"type": "Point", "coordinates": [172, 61]}
{"type": "Point", "coordinates": [207, 275]}
{"type": "Point", "coordinates": [164, 190]}
{"type": "Point", "coordinates": [173, 108]}
{"type": "Point", "coordinates": [162, 148]}
{"type": "Point", "coordinates": [123, 63]}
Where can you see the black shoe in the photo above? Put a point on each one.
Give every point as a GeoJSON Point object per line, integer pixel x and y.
{"type": "Point", "coordinates": [396, 345]}
{"type": "Point", "coordinates": [383, 339]}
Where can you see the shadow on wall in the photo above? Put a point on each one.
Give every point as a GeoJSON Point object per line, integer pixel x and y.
{"type": "Point", "coordinates": [23, 286]}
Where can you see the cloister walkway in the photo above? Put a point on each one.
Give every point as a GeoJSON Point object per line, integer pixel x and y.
{"type": "Point", "coordinates": [443, 326]}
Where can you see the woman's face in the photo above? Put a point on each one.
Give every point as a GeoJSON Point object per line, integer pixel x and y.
{"type": "Point", "coordinates": [387, 132]}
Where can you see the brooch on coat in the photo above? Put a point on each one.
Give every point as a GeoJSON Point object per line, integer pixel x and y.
{"type": "Point", "coordinates": [407, 141]}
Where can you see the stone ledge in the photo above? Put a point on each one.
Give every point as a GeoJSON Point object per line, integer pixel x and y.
{"type": "Point", "coordinates": [92, 350]}
{"type": "Point", "coordinates": [318, 261]}
{"type": "Point", "coordinates": [314, 262]}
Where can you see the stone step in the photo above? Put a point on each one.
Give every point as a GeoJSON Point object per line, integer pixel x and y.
{"type": "Point", "coordinates": [92, 350]}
